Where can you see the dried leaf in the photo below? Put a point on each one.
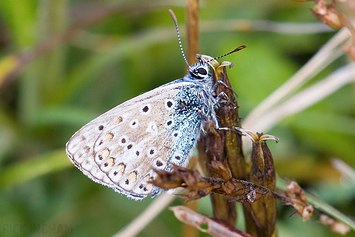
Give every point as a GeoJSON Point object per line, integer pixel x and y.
{"type": "Point", "coordinates": [328, 14]}
{"type": "Point", "coordinates": [198, 186]}
{"type": "Point", "coordinates": [299, 201]}
{"type": "Point", "coordinates": [334, 225]}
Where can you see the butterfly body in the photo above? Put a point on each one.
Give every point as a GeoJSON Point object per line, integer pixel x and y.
{"type": "Point", "coordinates": [156, 129]}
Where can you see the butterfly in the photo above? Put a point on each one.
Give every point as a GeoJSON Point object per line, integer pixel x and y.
{"type": "Point", "coordinates": [122, 147]}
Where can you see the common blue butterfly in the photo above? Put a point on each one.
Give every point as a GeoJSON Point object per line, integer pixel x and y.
{"type": "Point", "coordinates": [120, 148]}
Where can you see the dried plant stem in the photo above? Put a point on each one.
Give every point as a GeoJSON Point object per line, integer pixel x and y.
{"type": "Point", "coordinates": [159, 204]}
{"type": "Point", "coordinates": [89, 41]}
{"type": "Point", "coordinates": [320, 60]}
{"type": "Point", "coordinates": [346, 170]}
{"type": "Point", "coordinates": [225, 147]}
{"type": "Point", "coordinates": [307, 97]}
{"type": "Point", "coordinates": [264, 25]}
{"type": "Point", "coordinates": [192, 50]}
{"type": "Point", "coordinates": [212, 226]}
{"type": "Point", "coordinates": [193, 47]}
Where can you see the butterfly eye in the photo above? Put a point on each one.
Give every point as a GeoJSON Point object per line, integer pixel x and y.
{"type": "Point", "coordinates": [202, 71]}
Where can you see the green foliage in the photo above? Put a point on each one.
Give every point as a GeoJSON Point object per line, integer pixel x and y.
{"type": "Point", "coordinates": [120, 56]}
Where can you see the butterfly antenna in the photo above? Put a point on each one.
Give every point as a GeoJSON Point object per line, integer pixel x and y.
{"type": "Point", "coordinates": [178, 35]}
{"type": "Point", "coordinates": [233, 51]}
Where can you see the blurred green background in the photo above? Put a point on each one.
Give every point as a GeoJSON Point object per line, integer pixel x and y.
{"type": "Point", "coordinates": [76, 59]}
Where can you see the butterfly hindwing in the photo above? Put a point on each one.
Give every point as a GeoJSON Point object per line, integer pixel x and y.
{"type": "Point", "coordinates": [121, 147]}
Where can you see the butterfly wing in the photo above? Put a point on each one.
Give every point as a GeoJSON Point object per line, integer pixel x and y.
{"type": "Point", "coordinates": [121, 147]}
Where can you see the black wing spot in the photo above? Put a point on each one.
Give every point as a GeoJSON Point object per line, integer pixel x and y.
{"type": "Point", "coordinates": [145, 109]}
{"type": "Point", "coordinates": [127, 182]}
{"type": "Point", "coordinates": [129, 146]}
{"type": "Point", "coordinates": [101, 127]}
{"type": "Point", "coordinates": [177, 157]}
{"type": "Point", "coordinates": [169, 104]}
{"type": "Point", "coordinates": [159, 163]}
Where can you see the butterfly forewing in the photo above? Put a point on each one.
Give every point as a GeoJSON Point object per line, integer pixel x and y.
{"type": "Point", "coordinates": [121, 147]}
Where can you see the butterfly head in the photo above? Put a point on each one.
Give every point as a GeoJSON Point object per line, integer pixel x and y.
{"type": "Point", "coordinates": [200, 71]}
{"type": "Point", "coordinates": [204, 68]}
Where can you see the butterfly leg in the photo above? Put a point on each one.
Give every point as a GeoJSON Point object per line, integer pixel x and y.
{"type": "Point", "coordinates": [224, 98]}
{"type": "Point", "coordinates": [203, 131]}
{"type": "Point", "coordinates": [215, 120]}
{"type": "Point", "coordinates": [226, 129]}
{"type": "Point", "coordinates": [220, 82]}
{"type": "Point", "coordinates": [235, 129]}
